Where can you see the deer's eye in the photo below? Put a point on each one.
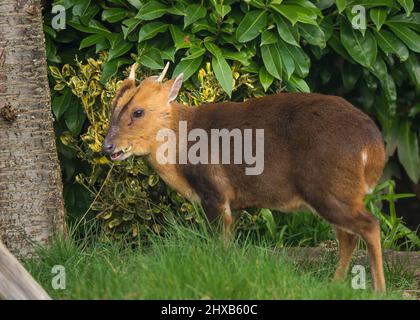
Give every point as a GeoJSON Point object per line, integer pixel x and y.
{"type": "Point", "coordinates": [138, 113]}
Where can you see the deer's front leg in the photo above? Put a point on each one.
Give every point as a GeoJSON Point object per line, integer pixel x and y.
{"type": "Point", "coordinates": [215, 210]}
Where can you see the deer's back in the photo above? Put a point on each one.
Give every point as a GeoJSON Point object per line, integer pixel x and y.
{"type": "Point", "coordinates": [312, 143]}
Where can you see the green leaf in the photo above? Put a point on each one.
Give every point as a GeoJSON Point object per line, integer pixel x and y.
{"type": "Point", "coordinates": [50, 31]}
{"type": "Point", "coordinates": [92, 27]}
{"type": "Point", "coordinates": [335, 43]}
{"type": "Point", "coordinates": [119, 48]}
{"type": "Point", "coordinates": [222, 10]}
{"type": "Point", "coordinates": [242, 57]}
{"type": "Point", "coordinates": [181, 40]}
{"type": "Point", "coordinates": [408, 36]}
{"type": "Point", "coordinates": [129, 25]}
{"type": "Point", "coordinates": [390, 44]}
{"type": "Point", "coordinates": [271, 57]}
{"type": "Point", "coordinates": [266, 79]}
{"type": "Point", "coordinates": [135, 3]}
{"type": "Point", "coordinates": [251, 25]}
{"type": "Point", "coordinates": [110, 68]}
{"type": "Point", "coordinates": [408, 151]}
{"type": "Point", "coordinates": [412, 65]}
{"type": "Point", "coordinates": [380, 70]}
{"type": "Point", "coordinates": [178, 9]}
{"type": "Point", "coordinates": [114, 15]}
{"type": "Point", "coordinates": [61, 103]}
{"type": "Point", "coordinates": [285, 30]}
{"type": "Point", "coordinates": [223, 74]}
{"type": "Point", "coordinates": [203, 24]}
{"type": "Point", "coordinates": [152, 10]}
{"type": "Point", "coordinates": [313, 34]}
{"type": "Point", "coordinates": [295, 13]}
{"type": "Point", "coordinates": [213, 49]}
{"type": "Point", "coordinates": [415, 110]}
{"type": "Point", "coordinates": [168, 53]}
{"type": "Point", "coordinates": [287, 59]}
{"type": "Point", "coordinates": [378, 16]}
{"type": "Point", "coordinates": [51, 50]}
{"type": "Point", "coordinates": [302, 60]}
{"type": "Point", "coordinates": [80, 7]}
{"type": "Point", "coordinates": [363, 49]}
{"type": "Point", "coordinates": [408, 5]}
{"type": "Point", "coordinates": [151, 29]}
{"type": "Point", "coordinates": [413, 21]}
{"type": "Point", "coordinates": [152, 59]}
{"type": "Point", "coordinates": [298, 84]}
{"type": "Point", "coordinates": [188, 67]}
{"type": "Point", "coordinates": [74, 117]}
{"type": "Point", "coordinates": [194, 13]}
{"type": "Point", "coordinates": [341, 5]}
{"type": "Point", "coordinates": [350, 74]}
{"type": "Point", "coordinates": [267, 216]}
{"type": "Point", "coordinates": [102, 45]}
{"type": "Point", "coordinates": [194, 53]}
{"type": "Point", "coordinates": [91, 40]}
{"type": "Point", "coordinates": [268, 37]}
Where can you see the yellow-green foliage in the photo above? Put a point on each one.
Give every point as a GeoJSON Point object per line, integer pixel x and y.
{"type": "Point", "coordinates": [128, 196]}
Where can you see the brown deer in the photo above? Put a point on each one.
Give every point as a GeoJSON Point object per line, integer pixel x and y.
{"type": "Point", "coordinates": [321, 153]}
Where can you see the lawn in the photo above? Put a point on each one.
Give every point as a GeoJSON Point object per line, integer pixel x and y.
{"type": "Point", "coordinates": [188, 265]}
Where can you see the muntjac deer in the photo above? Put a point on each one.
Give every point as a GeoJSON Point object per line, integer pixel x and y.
{"type": "Point", "coordinates": [320, 153]}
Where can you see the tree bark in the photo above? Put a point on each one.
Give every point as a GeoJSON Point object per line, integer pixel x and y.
{"type": "Point", "coordinates": [31, 203]}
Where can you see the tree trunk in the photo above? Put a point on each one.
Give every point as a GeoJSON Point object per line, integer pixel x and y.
{"type": "Point", "coordinates": [15, 282]}
{"type": "Point", "coordinates": [31, 203]}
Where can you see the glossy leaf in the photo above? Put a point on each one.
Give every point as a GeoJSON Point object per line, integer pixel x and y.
{"type": "Point", "coordinates": [408, 36]}
{"type": "Point", "coordinates": [341, 5]}
{"type": "Point", "coordinates": [378, 16]}
{"type": "Point", "coordinates": [408, 151]}
{"type": "Point", "coordinates": [408, 5]}
{"type": "Point", "coordinates": [265, 78]}
{"type": "Point", "coordinates": [151, 29]}
{"type": "Point", "coordinates": [120, 48]}
{"type": "Point", "coordinates": [90, 40]}
{"type": "Point", "coordinates": [363, 49]}
{"type": "Point", "coordinates": [152, 59]}
{"type": "Point", "coordinates": [223, 74]}
{"type": "Point", "coordinates": [61, 103]}
{"type": "Point", "coordinates": [110, 68]}
{"type": "Point", "coordinates": [412, 65]}
{"type": "Point", "coordinates": [194, 13]}
{"type": "Point", "coordinates": [390, 44]}
{"type": "Point", "coordinates": [313, 35]}
{"type": "Point", "coordinates": [152, 10]}
{"type": "Point", "coordinates": [251, 25]}
{"type": "Point", "coordinates": [287, 59]}
{"type": "Point", "coordinates": [268, 37]}
{"type": "Point", "coordinates": [188, 67]}
{"type": "Point", "coordinates": [271, 57]}
{"type": "Point", "coordinates": [114, 15]}
{"type": "Point", "coordinates": [286, 31]}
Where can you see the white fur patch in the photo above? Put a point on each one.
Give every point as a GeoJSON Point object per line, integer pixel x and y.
{"type": "Point", "coordinates": [364, 157]}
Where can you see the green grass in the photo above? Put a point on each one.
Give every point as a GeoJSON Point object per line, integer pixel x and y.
{"type": "Point", "coordinates": [188, 264]}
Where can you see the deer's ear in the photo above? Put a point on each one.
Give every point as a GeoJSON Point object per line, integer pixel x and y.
{"type": "Point", "coordinates": [176, 86]}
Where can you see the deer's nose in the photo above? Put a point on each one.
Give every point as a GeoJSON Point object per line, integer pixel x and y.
{"type": "Point", "coordinates": [108, 147]}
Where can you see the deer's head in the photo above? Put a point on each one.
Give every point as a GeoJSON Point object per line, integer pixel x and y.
{"type": "Point", "coordinates": [138, 113]}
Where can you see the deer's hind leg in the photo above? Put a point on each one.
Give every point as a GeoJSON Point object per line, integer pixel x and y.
{"type": "Point", "coordinates": [347, 242]}
{"type": "Point", "coordinates": [353, 218]}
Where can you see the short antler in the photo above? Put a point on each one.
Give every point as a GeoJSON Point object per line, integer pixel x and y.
{"type": "Point", "coordinates": [133, 72]}
{"type": "Point", "coordinates": [162, 75]}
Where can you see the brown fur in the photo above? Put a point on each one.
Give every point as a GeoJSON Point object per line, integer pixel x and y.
{"type": "Point", "coordinates": [314, 146]}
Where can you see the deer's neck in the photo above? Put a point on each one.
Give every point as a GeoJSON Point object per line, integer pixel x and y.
{"type": "Point", "coordinates": [170, 172]}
